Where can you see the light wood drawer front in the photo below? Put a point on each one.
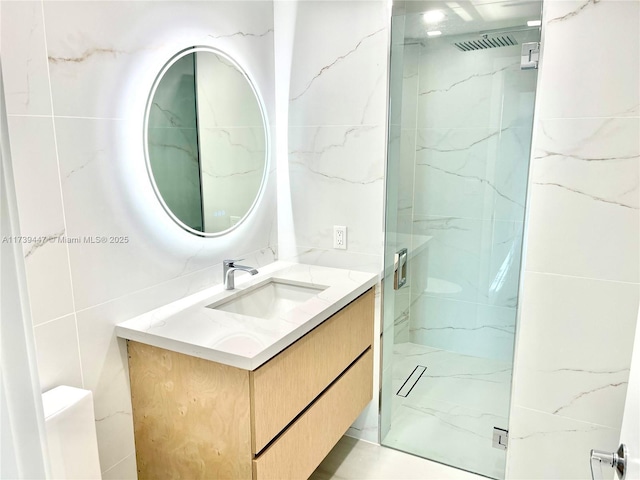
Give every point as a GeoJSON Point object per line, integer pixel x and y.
{"type": "Point", "coordinates": [288, 383]}
{"type": "Point", "coordinates": [301, 448]}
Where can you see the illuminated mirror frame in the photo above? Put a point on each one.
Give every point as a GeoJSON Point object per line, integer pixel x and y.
{"type": "Point", "coordinates": [145, 138]}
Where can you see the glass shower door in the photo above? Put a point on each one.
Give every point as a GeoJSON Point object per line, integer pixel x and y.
{"type": "Point", "coordinates": [461, 112]}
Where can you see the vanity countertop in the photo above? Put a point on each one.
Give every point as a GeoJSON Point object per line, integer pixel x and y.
{"type": "Point", "coordinates": [188, 326]}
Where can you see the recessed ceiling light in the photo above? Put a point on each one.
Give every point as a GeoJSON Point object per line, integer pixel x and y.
{"type": "Point", "coordinates": [434, 33]}
{"type": "Point", "coordinates": [432, 16]}
{"type": "Point", "coordinates": [534, 23]}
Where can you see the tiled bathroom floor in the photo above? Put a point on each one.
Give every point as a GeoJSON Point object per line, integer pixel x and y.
{"type": "Point", "coordinates": [451, 411]}
{"type": "Point", "coordinates": [353, 459]}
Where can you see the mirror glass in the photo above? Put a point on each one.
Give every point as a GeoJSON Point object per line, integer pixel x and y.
{"type": "Point", "coordinates": [206, 141]}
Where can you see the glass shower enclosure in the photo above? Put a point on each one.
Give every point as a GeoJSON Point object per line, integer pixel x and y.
{"type": "Point", "coordinates": [462, 89]}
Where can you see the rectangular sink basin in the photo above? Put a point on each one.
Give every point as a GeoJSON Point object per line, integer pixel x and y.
{"type": "Point", "coordinates": [269, 301]}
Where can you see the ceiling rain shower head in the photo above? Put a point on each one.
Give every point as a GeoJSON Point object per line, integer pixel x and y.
{"type": "Point", "coordinates": [486, 41]}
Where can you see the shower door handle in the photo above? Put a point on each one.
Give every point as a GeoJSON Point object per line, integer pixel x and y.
{"type": "Point", "coordinates": [400, 269]}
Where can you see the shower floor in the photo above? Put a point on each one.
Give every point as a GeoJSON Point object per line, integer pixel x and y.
{"type": "Point", "coordinates": [449, 414]}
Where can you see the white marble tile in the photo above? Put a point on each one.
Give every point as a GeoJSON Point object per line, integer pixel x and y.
{"type": "Point", "coordinates": [48, 281]}
{"type": "Point", "coordinates": [457, 401]}
{"type": "Point", "coordinates": [124, 470]}
{"type": "Point", "coordinates": [543, 446]}
{"type": "Point", "coordinates": [337, 259]}
{"type": "Point", "coordinates": [454, 257]}
{"type": "Point", "coordinates": [406, 178]}
{"type": "Point", "coordinates": [106, 374]}
{"type": "Point", "coordinates": [352, 459]}
{"type": "Point", "coordinates": [474, 383]}
{"type": "Point", "coordinates": [464, 327]}
{"type": "Point", "coordinates": [40, 207]}
{"type": "Point", "coordinates": [336, 173]}
{"type": "Point", "coordinates": [35, 169]}
{"type": "Point", "coordinates": [345, 37]}
{"type": "Point", "coordinates": [564, 352]}
{"type": "Point", "coordinates": [107, 193]}
{"type": "Point", "coordinates": [588, 76]}
{"type": "Point", "coordinates": [410, 83]}
{"type": "Point", "coordinates": [104, 56]}
{"type": "Point", "coordinates": [584, 199]}
{"type": "Point", "coordinates": [471, 172]}
{"type": "Point", "coordinates": [24, 59]}
{"type": "Point", "coordinates": [57, 351]}
{"type": "Point", "coordinates": [464, 89]}
{"type": "Point", "coordinates": [500, 263]}
{"type": "Point", "coordinates": [448, 433]}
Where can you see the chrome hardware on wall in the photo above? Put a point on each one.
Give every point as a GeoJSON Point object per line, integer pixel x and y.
{"type": "Point", "coordinates": [529, 55]}
{"type": "Point", "coordinates": [617, 460]}
{"type": "Point", "coordinates": [500, 438]}
{"type": "Point", "coordinates": [400, 268]}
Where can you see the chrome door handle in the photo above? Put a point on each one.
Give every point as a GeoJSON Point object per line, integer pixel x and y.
{"type": "Point", "coordinates": [400, 268]}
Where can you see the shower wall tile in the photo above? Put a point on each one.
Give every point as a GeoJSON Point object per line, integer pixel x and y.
{"type": "Point", "coordinates": [583, 240]}
{"type": "Point", "coordinates": [464, 327]}
{"type": "Point", "coordinates": [410, 85]}
{"type": "Point", "coordinates": [454, 252]}
{"type": "Point", "coordinates": [585, 380]}
{"type": "Point", "coordinates": [585, 197]}
{"type": "Point", "coordinates": [57, 352]}
{"type": "Point", "coordinates": [450, 171]}
{"type": "Point", "coordinates": [336, 174]}
{"type": "Point", "coordinates": [464, 89]}
{"type": "Point", "coordinates": [104, 56]}
{"type": "Point", "coordinates": [396, 84]}
{"type": "Point", "coordinates": [472, 172]}
{"type": "Point", "coordinates": [35, 169]}
{"type": "Point", "coordinates": [340, 61]}
{"type": "Point", "coordinates": [26, 81]}
{"type": "Point", "coordinates": [548, 447]}
{"type": "Point", "coordinates": [501, 246]}
{"type": "Point", "coordinates": [585, 75]}
{"type": "Point", "coordinates": [405, 182]}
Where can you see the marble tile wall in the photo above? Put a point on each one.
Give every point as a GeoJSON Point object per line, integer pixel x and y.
{"type": "Point", "coordinates": [466, 130]}
{"type": "Point", "coordinates": [336, 141]}
{"type": "Point", "coordinates": [581, 276]}
{"type": "Point", "coordinates": [76, 78]}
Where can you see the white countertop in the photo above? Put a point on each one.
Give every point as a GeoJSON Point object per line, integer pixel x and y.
{"type": "Point", "coordinates": [188, 326]}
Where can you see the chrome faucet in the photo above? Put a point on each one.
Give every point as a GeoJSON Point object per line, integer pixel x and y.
{"type": "Point", "coordinates": [228, 269]}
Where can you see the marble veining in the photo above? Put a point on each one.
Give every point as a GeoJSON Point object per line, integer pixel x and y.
{"type": "Point", "coordinates": [589, 392]}
{"type": "Point", "coordinates": [96, 51]}
{"type": "Point", "coordinates": [243, 34]}
{"type": "Point", "coordinates": [420, 148]}
{"type": "Point", "coordinates": [591, 196]}
{"type": "Point", "coordinates": [43, 241]}
{"type": "Point", "coordinates": [472, 177]}
{"type": "Point", "coordinates": [470, 77]}
{"type": "Point", "coordinates": [573, 13]}
{"type": "Point", "coordinates": [339, 59]}
{"type": "Point", "coordinates": [457, 401]}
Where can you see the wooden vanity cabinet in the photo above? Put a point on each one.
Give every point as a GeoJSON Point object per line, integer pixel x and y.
{"type": "Point", "coordinates": [197, 419]}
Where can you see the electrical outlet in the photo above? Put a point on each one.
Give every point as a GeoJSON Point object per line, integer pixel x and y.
{"type": "Point", "coordinates": [340, 237]}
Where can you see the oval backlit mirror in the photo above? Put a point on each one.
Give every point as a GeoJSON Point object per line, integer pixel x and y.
{"type": "Point", "coordinates": [206, 141]}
